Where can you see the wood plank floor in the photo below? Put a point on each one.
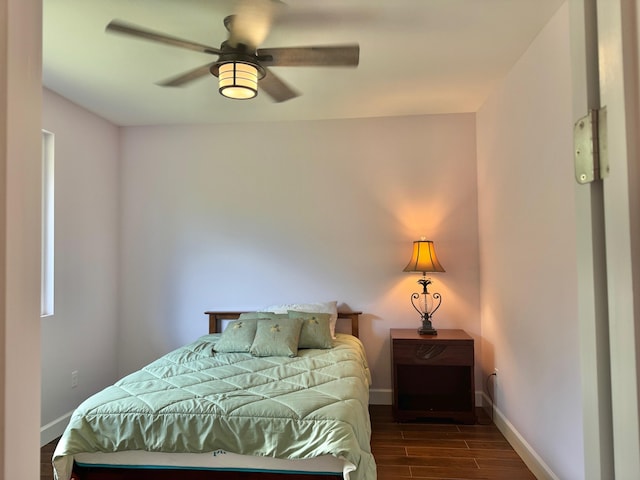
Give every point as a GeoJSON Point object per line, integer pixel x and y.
{"type": "Point", "coordinates": [442, 451]}
{"type": "Point", "coordinates": [46, 452]}
{"type": "Point", "coordinates": [423, 450]}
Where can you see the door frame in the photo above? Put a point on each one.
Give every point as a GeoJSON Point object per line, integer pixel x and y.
{"type": "Point", "coordinates": [618, 68]}
{"type": "Point", "coordinates": [605, 74]}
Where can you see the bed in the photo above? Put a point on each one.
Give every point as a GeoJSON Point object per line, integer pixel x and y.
{"type": "Point", "coordinates": [201, 412]}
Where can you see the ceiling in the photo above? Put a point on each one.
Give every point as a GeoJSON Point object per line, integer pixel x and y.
{"type": "Point", "coordinates": [416, 57]}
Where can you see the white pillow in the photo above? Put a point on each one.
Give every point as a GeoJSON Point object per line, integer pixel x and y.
{"type": "Point", "coordinates": [321, 307]}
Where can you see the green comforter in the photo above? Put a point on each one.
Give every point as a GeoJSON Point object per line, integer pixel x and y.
{"type": "Point", "coordinates": [192, 400]}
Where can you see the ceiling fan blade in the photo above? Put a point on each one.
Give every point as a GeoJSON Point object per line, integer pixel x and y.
{"type": "Point", "coordinates": [118, 26]}
{"type": "Point", "coordinates": [186, 77]}
{"type": "Point", "coordinates": [251, 22]}
{"type": "Point", "coordinates": [317, 16]}
{"type": "Point", "coordinates": [338, 55]}
{"type": "Point", "coordinates": [276, 88]}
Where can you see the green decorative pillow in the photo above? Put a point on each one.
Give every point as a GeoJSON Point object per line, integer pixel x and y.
{"type": "Point", "coordinates": [316, 329]}
{"type": "Point", "coordinates": [238, 336]}
{"type": "Point", "coordinates": [277, 337]}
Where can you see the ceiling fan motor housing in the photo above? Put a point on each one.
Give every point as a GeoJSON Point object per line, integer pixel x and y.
{"type": "Point", "coordinates": [239, 54]}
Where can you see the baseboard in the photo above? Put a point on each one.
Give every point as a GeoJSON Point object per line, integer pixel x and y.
{"type": "Point", "coordinates": [537, 466]}
{"type": "Point", "coordinates": [53, 430]}
{"type": "Point", "coordinates": [380, 396]}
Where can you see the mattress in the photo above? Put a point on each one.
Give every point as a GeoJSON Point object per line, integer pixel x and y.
{"type": "Point", "coordinates": [196, 401]}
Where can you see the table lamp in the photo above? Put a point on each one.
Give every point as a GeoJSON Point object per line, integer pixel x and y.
{"type": "Point", "coordinates": [424, 259]}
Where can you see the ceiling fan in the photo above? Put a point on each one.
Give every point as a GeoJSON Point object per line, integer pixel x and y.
{"type": "Point", "coordinates": [242, 66]}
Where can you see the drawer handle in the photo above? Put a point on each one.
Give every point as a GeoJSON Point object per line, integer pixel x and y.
{"type": "Point", "coordinates": [426, 352]}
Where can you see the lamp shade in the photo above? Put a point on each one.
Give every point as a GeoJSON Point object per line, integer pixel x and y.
{"type": "Point", "coordinates": [423, 258]}
{"type": "Point", "coordinates": [238, 80]}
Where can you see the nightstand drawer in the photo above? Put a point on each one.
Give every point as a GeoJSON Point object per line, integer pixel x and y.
{"type": "Point", "coordinates": [406, 353]}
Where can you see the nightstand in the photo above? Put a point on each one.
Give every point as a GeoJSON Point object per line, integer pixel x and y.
{"type": "Point", "coordinates": [432, 375]}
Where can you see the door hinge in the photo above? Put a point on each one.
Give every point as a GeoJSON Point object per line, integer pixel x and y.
{"type": "Point", "coordinates": [590, 146]}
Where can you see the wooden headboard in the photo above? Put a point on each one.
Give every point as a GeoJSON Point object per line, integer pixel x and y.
{"type": "Point", "coordinates": [216, 318]}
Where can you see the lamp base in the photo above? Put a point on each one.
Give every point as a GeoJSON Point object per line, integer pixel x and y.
{"type": "Point", "coordinates": [427, 331]}
{"type": "Point", "coordinates": [427, 327]}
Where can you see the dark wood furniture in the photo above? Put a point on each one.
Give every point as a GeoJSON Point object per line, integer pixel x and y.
{"type": "Point", "coordinates": [216, 319]}
{"type": "Point", "coordinates": [432, 375]}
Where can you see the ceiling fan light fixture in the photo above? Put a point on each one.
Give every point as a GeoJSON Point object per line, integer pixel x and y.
{"type": "Point", "coordinates": [238, 80]}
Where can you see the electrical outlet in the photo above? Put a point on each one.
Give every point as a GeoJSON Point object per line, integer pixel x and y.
{"type": "Point", "coordinates": [74, 379]}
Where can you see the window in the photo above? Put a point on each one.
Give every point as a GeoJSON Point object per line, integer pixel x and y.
{"type": "Point", "coordinates": [46, 291]}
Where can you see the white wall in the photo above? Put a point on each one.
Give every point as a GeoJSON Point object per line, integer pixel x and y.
{"type": "Point", "coordinates": [242, 216]}
{"type": "Point", "coordinates": [528, 251]}
{"type": "Point", "coordinates": [81, 335]}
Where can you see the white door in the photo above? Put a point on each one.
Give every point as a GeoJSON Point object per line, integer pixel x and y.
{"type": "Point", "coordinates": [606, 58]}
